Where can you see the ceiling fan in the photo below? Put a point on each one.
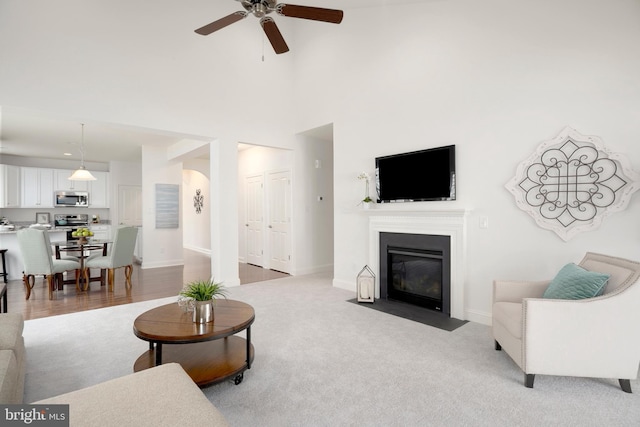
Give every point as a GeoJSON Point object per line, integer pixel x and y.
{"type": "Point", "coordinates": [261, 8]}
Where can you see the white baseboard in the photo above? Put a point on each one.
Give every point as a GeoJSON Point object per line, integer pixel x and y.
{"type": "Point", "coordinates": [328, 268]}
{"type": "Point", "coordinates": [349, 286]}
{"type": "Point", "coordinates": [231, 283]}
{"type": "Point", "coordinates": [158, 264]}
{"type": "Point", "coordinates": [481, 317]}
{"type": "Point", "coordinates": [204, 251]}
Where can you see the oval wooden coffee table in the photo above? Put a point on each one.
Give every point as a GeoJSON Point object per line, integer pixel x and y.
{"type": "Point", "coordinates": [208, 352]}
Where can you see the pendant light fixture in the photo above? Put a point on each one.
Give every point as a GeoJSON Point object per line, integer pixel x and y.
{"type": "Point", "coordinates": [82, 174]}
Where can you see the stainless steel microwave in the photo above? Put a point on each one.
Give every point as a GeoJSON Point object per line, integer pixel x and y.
{"type": "Point", "coordinates": [66, 199]}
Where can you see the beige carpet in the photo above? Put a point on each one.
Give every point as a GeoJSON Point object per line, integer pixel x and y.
{"type": "Point", "coordinates": [322, 361]}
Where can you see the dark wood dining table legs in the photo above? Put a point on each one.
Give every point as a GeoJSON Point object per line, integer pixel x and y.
{"type": "Point", "coordinates": [81, 248]}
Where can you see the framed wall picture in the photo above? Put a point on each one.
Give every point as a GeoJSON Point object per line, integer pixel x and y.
{"type": "Point", "coordinates": [42, 218]}
{"type": "Point", "coordinates": [167, 205]}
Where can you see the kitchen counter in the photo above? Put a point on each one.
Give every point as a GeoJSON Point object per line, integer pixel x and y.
{"type": "Point", "coordinates": [14, 230]}
{"type": "Point", "coordinates": [52, 229]}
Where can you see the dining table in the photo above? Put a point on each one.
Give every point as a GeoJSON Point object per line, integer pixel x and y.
{"type": "Point", "coordinates": [82, 249]}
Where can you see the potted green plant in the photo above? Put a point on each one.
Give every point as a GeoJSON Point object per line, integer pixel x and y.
{"type": "Point", "coordinates": [203, 293]}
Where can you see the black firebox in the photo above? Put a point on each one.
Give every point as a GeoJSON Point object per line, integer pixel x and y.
{"type": "Point", "coordinates": [416, 269]}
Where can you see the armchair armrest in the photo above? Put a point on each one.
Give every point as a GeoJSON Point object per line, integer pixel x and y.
{"type": "Point", "coordinates": [516, 291]}
{"type": "Point", "coordinates": [580, 337]}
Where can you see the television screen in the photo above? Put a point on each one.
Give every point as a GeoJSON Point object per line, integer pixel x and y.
{"type": "Point", "coordinates": [417, 176]}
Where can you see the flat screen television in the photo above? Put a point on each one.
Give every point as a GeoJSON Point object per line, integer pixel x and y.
{"type": "Point", "coordinates": [424, 175]}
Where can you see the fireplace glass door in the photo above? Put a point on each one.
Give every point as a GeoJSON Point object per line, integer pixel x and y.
{"type": "Point", "coordinates": [415, 277]}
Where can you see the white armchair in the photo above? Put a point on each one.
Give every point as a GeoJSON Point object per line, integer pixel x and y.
{"type": "Point", "coordinates": [594, 337]}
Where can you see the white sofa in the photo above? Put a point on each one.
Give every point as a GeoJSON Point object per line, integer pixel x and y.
{"type": "Point", "coordinates": [595, 337]}
{"type": "Point", "coordinates": [12, 358]}
{"type": "Point", "coordinates": [161, 396]}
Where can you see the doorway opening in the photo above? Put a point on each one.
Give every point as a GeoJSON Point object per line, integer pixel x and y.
{"type": "Point", "coordinates": [265, 212]}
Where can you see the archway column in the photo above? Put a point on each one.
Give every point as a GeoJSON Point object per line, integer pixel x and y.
{"type": "Point", "coordinates": [224, 211]}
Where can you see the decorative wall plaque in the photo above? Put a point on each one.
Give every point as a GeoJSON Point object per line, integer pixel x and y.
{"type": "Point", "coordinates": [198, 201]}
{"type": "Point", "coordinates": [572, 182]}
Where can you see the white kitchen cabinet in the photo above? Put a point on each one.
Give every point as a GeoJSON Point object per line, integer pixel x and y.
{"type": "Point", "coordinates": [37, 187]}
{"type": "Point", "coordinates": [100, 231]}
{"type": "Point", "coordinates": [99, 190]}
{"type": "Point", "coordinates": [62, 182]}
{"type": "Point", "coordinates": [9, 186]}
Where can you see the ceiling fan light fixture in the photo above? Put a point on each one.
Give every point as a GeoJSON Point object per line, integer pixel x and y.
{"type": "Point", "coordinates": [82, 174]}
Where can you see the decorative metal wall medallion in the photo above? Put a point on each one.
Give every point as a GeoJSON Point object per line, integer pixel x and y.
{"type": "Point", "coordinates": [198, 201]}
{"type": "Point", "coordinates": [571, 183]}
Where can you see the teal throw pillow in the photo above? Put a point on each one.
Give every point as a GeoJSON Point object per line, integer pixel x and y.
{"type": "Point", "coordinates": [574, 282]}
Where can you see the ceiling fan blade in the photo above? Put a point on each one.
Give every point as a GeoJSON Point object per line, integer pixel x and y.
{"type": "Point", "coordinates": [221, 23]}
{"type": "Point", "coordinates": [273, 34]}
{"type": "Point", "coordinates": [306, 12]}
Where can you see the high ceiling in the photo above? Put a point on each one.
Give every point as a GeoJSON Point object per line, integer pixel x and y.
{"type": "Point", "coordinates": [28, 133]}
{"type": "Point", "coordinates": [31, 134]}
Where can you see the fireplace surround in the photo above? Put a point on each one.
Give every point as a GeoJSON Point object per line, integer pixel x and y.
{"type": "Point", "coordinates": [451, 223]}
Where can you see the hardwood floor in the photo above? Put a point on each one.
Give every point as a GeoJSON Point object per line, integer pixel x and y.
{"type": "Point", "coordinates": [147, 284]}
{"type": "Point", "coordinates": [250, 274]}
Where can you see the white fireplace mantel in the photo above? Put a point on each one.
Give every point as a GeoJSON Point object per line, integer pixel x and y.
{"type": "Point", "coordinates": [450, 222]}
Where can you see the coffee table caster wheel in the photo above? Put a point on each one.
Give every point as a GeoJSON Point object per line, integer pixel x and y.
{"type": "Point", "coordinates": [238, 379]}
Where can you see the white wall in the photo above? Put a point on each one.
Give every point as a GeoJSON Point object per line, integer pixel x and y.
{"type": "Point", "coordinates": [122, 173]}
{"type": "Point", "coordinates": [162, 247]}
{"type": "Point", "coordinates": [313, 218]}
{"type": "Point", "coordinates": [196, 226]}
{"type": "Point", "coordinates": [224, 214]}
{"type": "Point", "coordinates": [495, 78]}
